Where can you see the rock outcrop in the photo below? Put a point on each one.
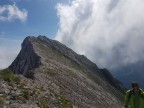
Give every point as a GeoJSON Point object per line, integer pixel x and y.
{"type": "Point", "coordinates": [65, 79]}
{"type": "Point", "coordinates": [27, 60]}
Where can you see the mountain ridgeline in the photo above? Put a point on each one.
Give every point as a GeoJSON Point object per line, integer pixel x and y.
{"type": "Point", "coordinates": [69, 80]}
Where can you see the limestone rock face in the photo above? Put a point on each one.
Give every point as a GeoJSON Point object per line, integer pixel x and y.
{"type": "Point", "coordinates": [27, 60]}
{"type": "Point", "coordinates": [68, 80]}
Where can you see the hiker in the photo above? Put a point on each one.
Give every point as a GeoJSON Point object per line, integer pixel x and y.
{"type": "Point", "coordinates": [134, 98]}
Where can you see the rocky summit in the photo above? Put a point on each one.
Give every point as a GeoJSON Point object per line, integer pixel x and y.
{"type": "Point", "coordinates": [48, 74]}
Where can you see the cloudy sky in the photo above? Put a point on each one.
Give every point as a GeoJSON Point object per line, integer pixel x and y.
{"type": "Point", "coordinates": [109, 32]}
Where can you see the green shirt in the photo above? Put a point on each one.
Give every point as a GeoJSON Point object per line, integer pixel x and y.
{"type": "Point", "coordinates": [136, 100]}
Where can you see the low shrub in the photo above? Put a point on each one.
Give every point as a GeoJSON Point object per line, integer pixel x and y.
{"type": "Point", "coordinates": [64, 103]}
{"type": "Point", "coordinates": [51, 72]}
{"type": "Point", "coordinates": [43, 103]}
{"type": "Point", "coordinates": [26, 94]}
{"type": "Point", "coordinates": [8, 76]}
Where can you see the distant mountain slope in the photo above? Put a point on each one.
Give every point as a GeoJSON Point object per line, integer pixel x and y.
{"type": "Point", "coordinates": [112, 80]}
{"type": "Point", "coordinates": [130, 73]}
{"type": "Point", "coordinates": [63, 73]}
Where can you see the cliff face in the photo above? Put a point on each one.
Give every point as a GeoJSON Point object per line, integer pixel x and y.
{"type": "Point", "coordinates": [64, 73]}
{"type": "Point", "coordinates": [27, 60]}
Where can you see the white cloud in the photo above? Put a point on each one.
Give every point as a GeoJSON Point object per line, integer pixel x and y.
{"type": "Point", "coordinates": [109, 32]}
{"type": "Point", "coordinates": [12, 12]}
{"type": "Point", "coordinates": [9, 48]}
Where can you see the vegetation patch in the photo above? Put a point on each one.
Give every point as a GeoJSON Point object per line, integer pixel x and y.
{"type": "Point", "coordinates": [51, 72]}
{"type": "Point", "coordinates": [26, 94]}
{"type": "Point", "coordinates": [2, 100]}
{"type": "Point", "coordinates": [8, 76]}
{"type": "Point", "coordinates": [37, 90]}
{"type": "Point", "coordinates": [64, 103]}
{"type": "Point", "coordinates": [21, 99]}
{"type": "Point", "coordinates": [43, 103]}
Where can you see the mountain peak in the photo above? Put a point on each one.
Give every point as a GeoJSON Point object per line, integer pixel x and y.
{"type": "Point", "coordinates": [59, 69]}
{"type": "Point", "coordinates": [27, 59]}
{"type": "Point", "coordinates": [31, 50]}
{"type": "Point", "coordinates": [42, 37]}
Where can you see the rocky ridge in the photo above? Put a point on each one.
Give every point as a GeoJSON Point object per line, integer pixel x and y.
{"type": "Point", "coordinates": [63, 78]}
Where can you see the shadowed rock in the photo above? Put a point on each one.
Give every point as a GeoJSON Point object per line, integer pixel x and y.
{"type": "Point", "coordinates": [26, 60]}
